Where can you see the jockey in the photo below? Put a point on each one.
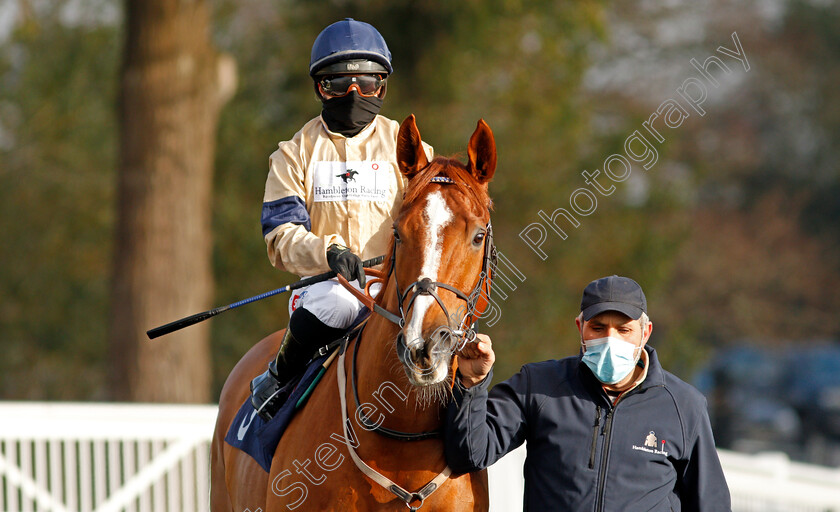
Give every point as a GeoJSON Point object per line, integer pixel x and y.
{"type": "Point", "coordinates": [330, 196]}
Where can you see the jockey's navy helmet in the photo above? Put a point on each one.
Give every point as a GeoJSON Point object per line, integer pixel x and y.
{"type": "Point", "coordinates": [349, 46]}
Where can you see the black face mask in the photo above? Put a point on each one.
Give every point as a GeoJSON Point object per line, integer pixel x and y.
{"type": "Point", "coordinates": [349, 114]}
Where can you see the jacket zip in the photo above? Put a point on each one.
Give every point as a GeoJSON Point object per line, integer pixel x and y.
{"type": "Point", "coordinates": [595, 437]}
{"type": "Point", "coordinates": [602, 473]}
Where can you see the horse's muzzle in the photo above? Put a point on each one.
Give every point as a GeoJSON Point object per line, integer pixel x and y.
{"type": "Point", "coordinates": [426, 361]}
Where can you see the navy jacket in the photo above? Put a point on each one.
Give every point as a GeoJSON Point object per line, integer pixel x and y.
{"type": "Point", "coordinates": [653, 450]}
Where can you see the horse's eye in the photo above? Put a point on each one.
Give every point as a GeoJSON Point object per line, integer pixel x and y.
{"type": "Point", "coordinates": [479, 238]}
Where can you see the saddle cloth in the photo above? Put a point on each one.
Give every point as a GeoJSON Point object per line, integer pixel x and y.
{"type": "Point", "coordinates": [259, 438]}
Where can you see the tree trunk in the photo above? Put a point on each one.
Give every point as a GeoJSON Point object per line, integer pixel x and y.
{"type": "Point", "coordinates": [170, 97]}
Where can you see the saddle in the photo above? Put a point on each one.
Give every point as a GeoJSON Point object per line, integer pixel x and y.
{"type": "Point", "coordinates": [259, 438]}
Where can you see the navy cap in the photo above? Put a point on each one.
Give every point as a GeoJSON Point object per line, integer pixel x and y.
{"type": "Point", "coordinates": [613, 293]}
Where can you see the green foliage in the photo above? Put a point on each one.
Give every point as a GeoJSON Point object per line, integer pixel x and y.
{"type": "Point", "coordinates": [56, 202]}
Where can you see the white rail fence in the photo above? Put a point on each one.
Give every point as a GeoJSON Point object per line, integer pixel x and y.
{"type": "Point", "coordinates": [63, 457]}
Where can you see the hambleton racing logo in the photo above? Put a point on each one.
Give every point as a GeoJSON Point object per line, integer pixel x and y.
{"type": "Point", "coordinates": [650, 445]}
{"type": "Point", "coordinates": [352, 181]}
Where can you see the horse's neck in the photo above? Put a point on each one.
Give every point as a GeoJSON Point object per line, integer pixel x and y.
{"type": "Point", "coordinates": [382, 382]}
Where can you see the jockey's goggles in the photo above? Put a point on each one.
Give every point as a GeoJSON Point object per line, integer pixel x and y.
{"type": "Point", "coordinates": [340, 85]}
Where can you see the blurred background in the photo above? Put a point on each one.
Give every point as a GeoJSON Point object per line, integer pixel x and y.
{"type": "Point", "coordinates": [734, 232]}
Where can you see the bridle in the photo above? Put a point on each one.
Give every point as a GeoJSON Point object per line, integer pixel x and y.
{"type": "Point", "coordinates": [426, 286]}
{"type": "Point", "coordinates": [423, 286]}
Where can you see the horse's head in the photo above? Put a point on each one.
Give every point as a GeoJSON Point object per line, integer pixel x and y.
{"type": "Point", "coordinates": [442, 249]}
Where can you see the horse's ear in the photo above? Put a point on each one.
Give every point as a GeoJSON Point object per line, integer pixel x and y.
{"type": "Point", "coordinates": [482, 153]}
{"type": "Point", "coordinates": [410, 155]}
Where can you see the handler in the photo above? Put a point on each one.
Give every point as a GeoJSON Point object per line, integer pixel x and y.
{"type": "Point", "coordinates": [607, 429]}
{"type": "Point", "coordinates": [330, 196]}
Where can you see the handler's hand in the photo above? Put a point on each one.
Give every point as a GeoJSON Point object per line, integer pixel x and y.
{"type": "Point", "coordinates": [475, 360]}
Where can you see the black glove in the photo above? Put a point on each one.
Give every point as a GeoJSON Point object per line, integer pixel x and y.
{"type": "Point", "coordinates": [344, 262]}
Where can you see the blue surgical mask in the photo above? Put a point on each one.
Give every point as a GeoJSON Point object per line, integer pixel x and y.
{"type": "Point", "coordinates": [610, 359]}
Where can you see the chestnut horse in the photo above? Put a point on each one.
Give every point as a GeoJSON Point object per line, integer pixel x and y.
{"type": "Point", "coordinates": [393, 380]}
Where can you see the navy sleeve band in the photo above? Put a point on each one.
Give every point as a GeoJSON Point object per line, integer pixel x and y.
{"type": "Point", "coordinates": [289, 209]}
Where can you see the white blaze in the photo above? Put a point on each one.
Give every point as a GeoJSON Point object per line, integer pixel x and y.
{"type": "Point", "coordinates": [437, 215]}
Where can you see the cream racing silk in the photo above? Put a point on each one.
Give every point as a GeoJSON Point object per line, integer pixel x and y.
{"type": "Point", "coordinates": [324, 188]}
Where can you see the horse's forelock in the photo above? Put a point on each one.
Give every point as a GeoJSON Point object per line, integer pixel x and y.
{"type": "Point", "coordinates": [458, 173]}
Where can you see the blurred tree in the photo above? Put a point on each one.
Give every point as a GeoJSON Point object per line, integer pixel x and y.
{"type": "Point", "coordinates": [173, 84]}
{"type": "Point", "coordinates": [758, 279]}
{"type": "Point", "coordinates": [756, 177]}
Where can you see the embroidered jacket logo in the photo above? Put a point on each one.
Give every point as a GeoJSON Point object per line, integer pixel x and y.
{"type": "Point", "coordinates": [348, 176]}
{"type": "Point", "coordinates": [650, 445]}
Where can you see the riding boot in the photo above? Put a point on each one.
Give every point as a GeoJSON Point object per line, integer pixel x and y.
{"type": "Point", "coordinates": [267, 393]}
{"type": "Point", "coordinates": [303, 337]}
